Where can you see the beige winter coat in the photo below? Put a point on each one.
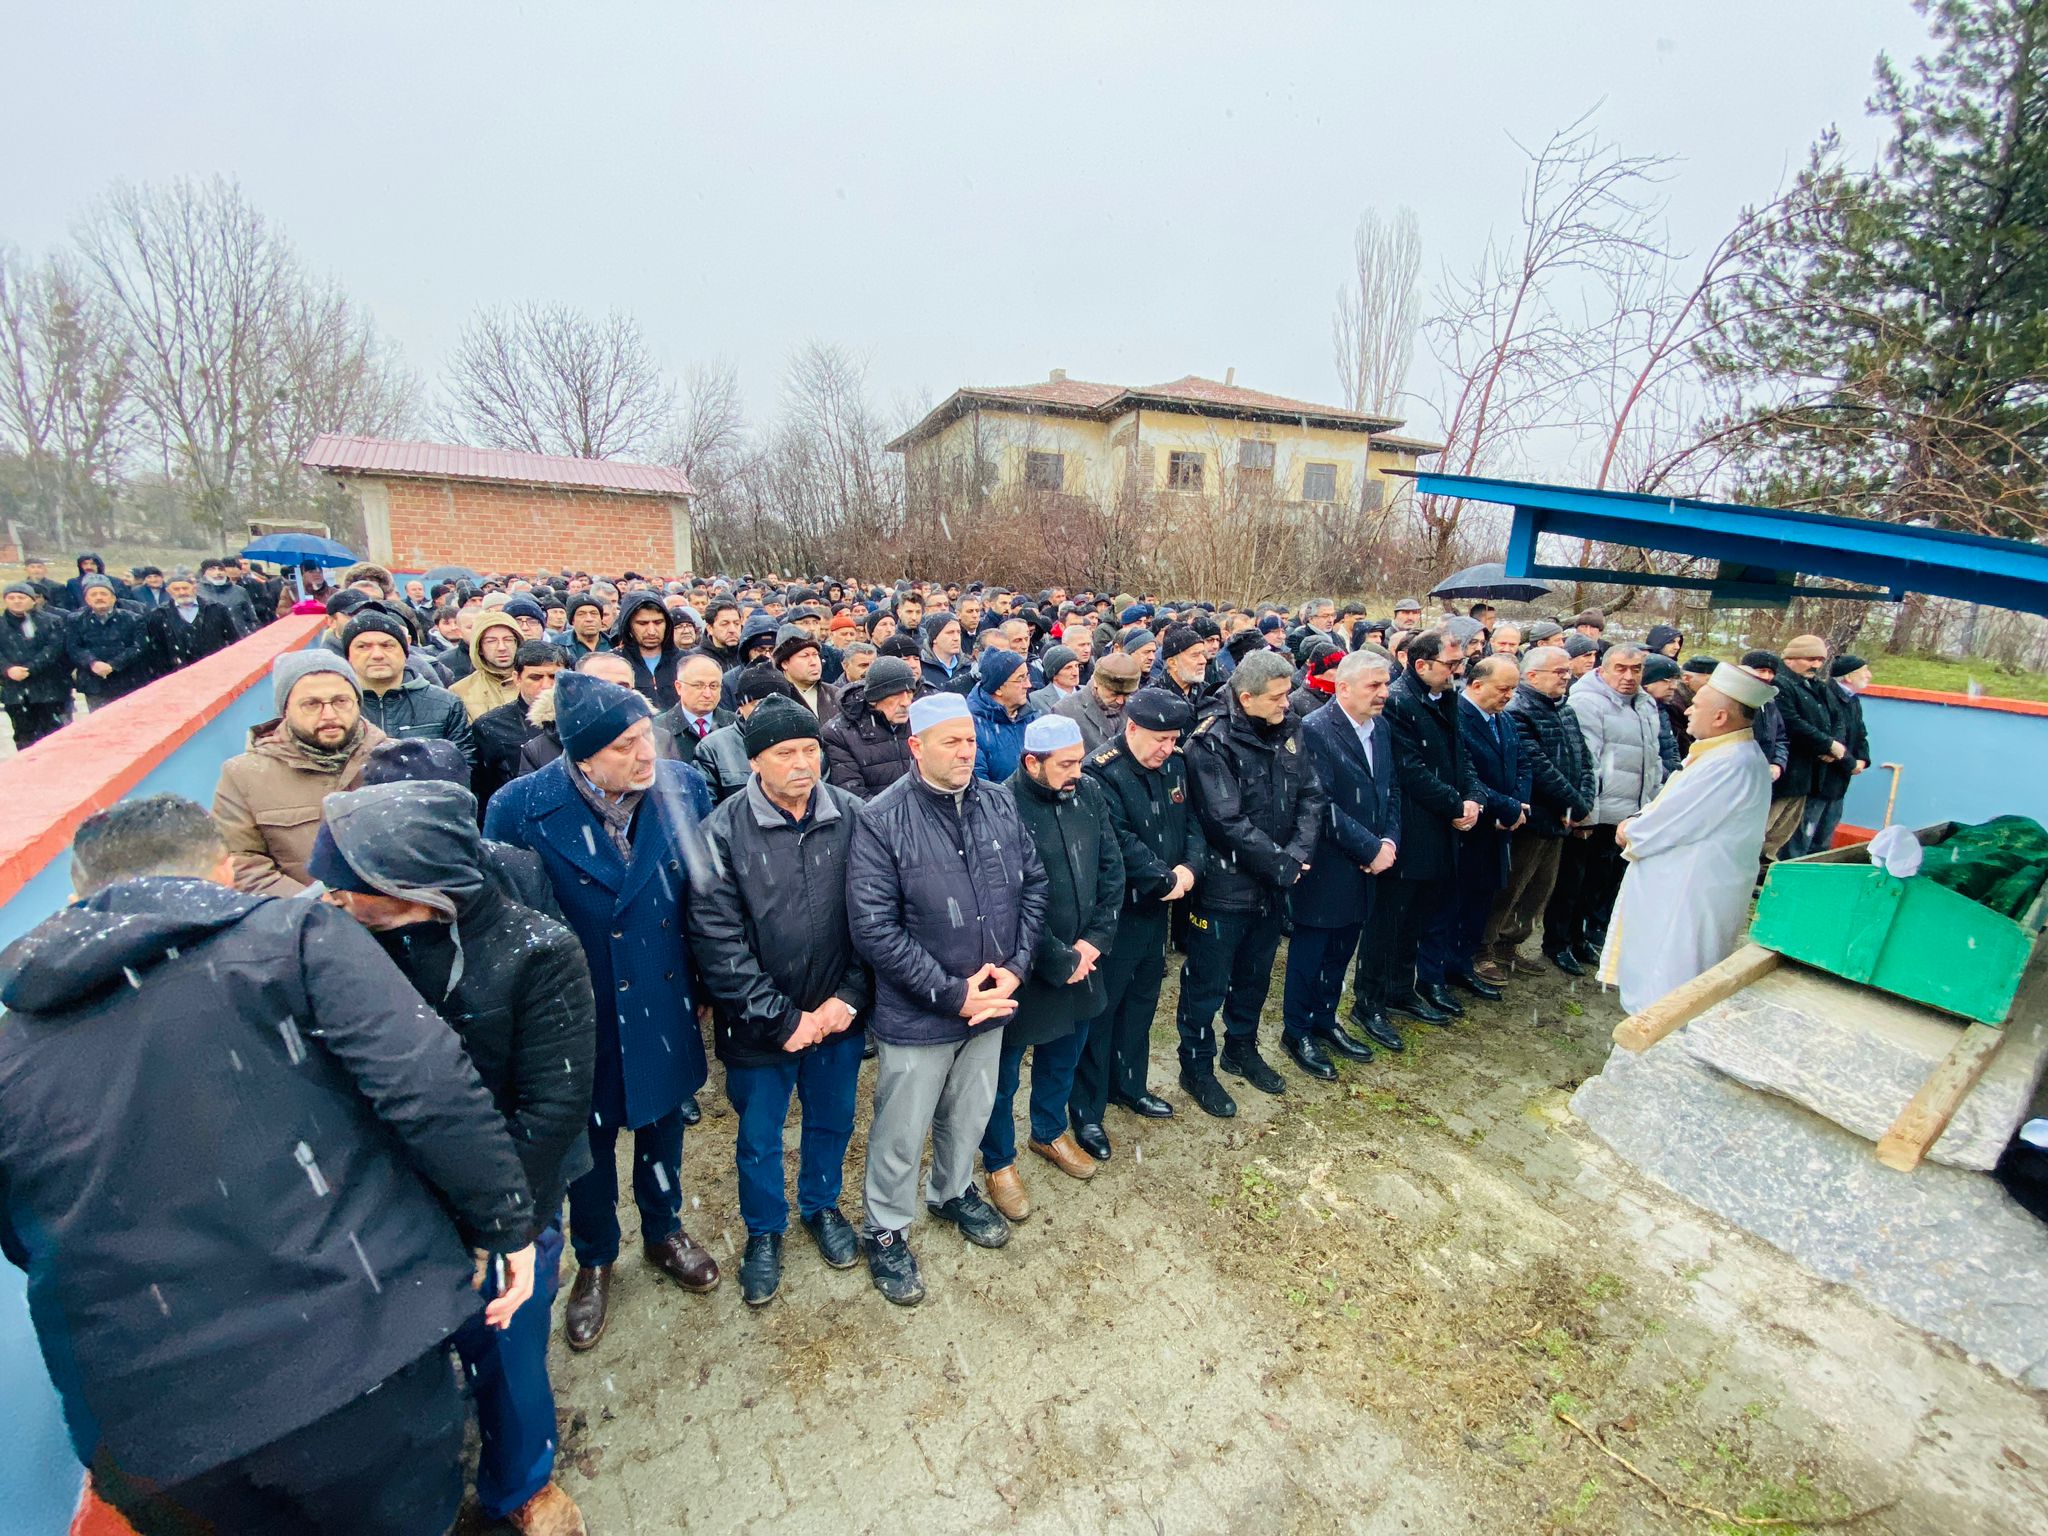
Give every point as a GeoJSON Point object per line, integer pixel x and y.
{"type": "Point", "coordinates": [267, 806]}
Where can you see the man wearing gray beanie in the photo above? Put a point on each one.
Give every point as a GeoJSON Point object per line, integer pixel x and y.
{"type": "Point", "coordinates": [267, 803]}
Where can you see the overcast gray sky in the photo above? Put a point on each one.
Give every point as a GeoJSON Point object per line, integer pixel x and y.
{"type": "Point", "coordinates": [963, 193]}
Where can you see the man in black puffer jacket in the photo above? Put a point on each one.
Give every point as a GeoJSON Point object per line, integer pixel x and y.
{"type": "Point", "coordinates": [405, 860]}
{"type": "Point", "coordinates": [244, 1165]}
{"type": "Point", "coordinates": [35, 670]}
{"type": "Point", "coordinates": [769, 935]}
{"type": "Point", "coordinates": [945, 894]}
{"type": "Point", "coordinates": [1560, 795]}
{"type": "Point", "coordinates": [1439, 799]}
{"type": "Point", "coordinates": [867, 743]}
{"type": "Point", "coordinates": [1261, 810]}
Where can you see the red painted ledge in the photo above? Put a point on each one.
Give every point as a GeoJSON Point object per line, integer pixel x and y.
{"type": "Point", "coordinates": [1966, 701]}
{"type": "Point", "coordinates": [89, 765]}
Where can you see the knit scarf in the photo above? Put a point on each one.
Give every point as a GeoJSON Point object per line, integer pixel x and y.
{"type": "Point", "coordinates": [331, 759]}
{"type": "Point", "coordinates": [614, 811]}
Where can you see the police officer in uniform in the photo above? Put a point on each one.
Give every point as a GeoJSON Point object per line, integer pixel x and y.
{"type": "Point", "coordinates": [1261, 810]}
{"type": "Point", "coordinates": [1145, 783]}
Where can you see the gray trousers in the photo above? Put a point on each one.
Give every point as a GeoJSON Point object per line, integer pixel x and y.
{"type": "Point", "coordinates": [947, 1090]}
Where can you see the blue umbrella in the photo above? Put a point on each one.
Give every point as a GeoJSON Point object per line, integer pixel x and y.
{"type": "Point", "coordinates": [296, 548]}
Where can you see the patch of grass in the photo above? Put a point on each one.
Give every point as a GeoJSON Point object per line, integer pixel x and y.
{"type": "Point", "coordinates": [1564, 1402]}
{"type": "Point", "coordinates": [1258, 1193]}
{"type": "Point", "coordinates": [1943, 674]}
{"type": "Point", "coordinates": [1756, 1410]}
{"type": "Point", "coordinates": [1603, 1287]}
{"type": "Point", "coordinates": [1796, 1500]}
{"type": "Point", "coordinates": [1589, 1490]}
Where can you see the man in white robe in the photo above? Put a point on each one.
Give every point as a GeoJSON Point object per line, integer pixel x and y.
{"type": "Point", "coordinates": [1692, 852]}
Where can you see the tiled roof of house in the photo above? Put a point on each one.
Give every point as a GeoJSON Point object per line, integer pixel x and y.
{"type": "Point", "coordinates": [1077, 397]}
{"type": "Point", "coordinates": [336, 453]}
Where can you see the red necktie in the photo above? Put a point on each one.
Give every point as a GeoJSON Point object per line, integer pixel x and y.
{"type": "Point", "coordinates": [700, 727]}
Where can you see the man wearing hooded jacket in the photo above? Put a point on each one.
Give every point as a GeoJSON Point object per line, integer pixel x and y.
{"type": "Point", "coordinates": [404, 859]}
{"type": "Point", "coordinates": [645, 636]}
{"type": "Point", "coordinates": [250, 1245]}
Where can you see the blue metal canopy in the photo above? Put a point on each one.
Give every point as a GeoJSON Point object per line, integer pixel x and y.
{"type": "Point", "coordinates": [1760, 549]}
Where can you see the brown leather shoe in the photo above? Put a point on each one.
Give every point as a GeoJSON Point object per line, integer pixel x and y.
{"type": "Point", "coordinates": [1522, 965]}
{"type": "Point", "coordinates": [1006, 1193]}
{"type": "Point", "coordinates": [590, 1300]}
{"type": "Point", "coordinates": [679, 1257]}
{"type": "Point", "coordinates": [1065, 1154]}
{"type": "Point", "coordinates": [1490, 973]}
{"type": "Point", "coordinates": [550, 1512]}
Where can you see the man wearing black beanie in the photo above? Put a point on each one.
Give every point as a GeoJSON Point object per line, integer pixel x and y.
{"type": "Point", "coordinates": [770, 938]}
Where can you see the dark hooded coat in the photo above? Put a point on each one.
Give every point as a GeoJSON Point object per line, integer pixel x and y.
{"type": "Point", "coordinates": [242, 1164]}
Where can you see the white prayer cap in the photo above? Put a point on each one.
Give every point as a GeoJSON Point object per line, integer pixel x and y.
{"type": "Point", "coordinates": [1745, 688]}
{"type": "Point", "coordinates": [935, 709]}
{"type": "Point", "coordinates": [1048, 733]}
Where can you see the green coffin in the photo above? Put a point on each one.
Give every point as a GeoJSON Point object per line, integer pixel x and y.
{"type": "Point", "coordinates": [1915, 938]}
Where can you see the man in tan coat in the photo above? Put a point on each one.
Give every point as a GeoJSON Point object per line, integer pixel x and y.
{"type": "Point", "coordinates": [491, 648]}
{"type": "Point", "coordinates": [267, 804]}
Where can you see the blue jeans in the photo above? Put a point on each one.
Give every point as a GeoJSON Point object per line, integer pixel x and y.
{"type": "Point", "coordinates": [1052, 1084]}
{"type": "Point", "coordinates": [1816, 832]}
{"type": "Point", "coordinates": [657, 1189]}
{"type": "Point", "coordinates": [508, 1378]}
{"type": "Point", "coordinates": [824, 1078]}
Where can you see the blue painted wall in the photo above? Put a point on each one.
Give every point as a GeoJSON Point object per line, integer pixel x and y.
{"type": "Point", "coordinates": [39, 1474]}
{"type": "Point", "coordinates": [1961, 764]}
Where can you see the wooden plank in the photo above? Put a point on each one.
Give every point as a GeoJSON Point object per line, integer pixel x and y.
{"type": "Point", "coordinates": [1929, 1111]}
{"type": "Point", "coordinates": [1640, 1031]}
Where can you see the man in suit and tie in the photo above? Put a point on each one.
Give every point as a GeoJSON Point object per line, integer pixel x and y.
{"type": "Point", "coordinates": [1352, 755]}
{"type": "Point", "coordinates": [1494, 748]}
{"type": "Point", "coordinates": [696, 713]}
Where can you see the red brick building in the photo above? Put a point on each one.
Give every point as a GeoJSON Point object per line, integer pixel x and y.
{"type": "Point", "coordinates": [429, 504]}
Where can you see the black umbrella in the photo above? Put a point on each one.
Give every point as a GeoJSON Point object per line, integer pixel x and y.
{"type": "Point", "coordinates": [449, 573]}
{"type": "Point", "coordinates": [1492, 583]}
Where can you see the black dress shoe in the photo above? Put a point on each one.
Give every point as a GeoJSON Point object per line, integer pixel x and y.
{"type": "Point", "coordinates": [1447, 1005]}
{"type": "Point", "coordinates": [979, 1222]}
{"type": "Point", "coordinates": [1247, 1063]}
{"type": "Point", "coordinates": [1588, 952]}
{"type": "Point", "coordinates": [1565, 961]}
{"type": "Point", "coordinates": [834, 1236]}
{"type": "Point", "coordinates": [1476, 987]}
{"type": "Point", "coordinates": [1307, 1053]}
{"type": "Point", "coordinates": [1418, 1007]}
{"type": "Point", "coordinates": [1341, 1043]}
{"type": "Point", "coordinates": [868, 1050]}
{"type": "Point", "coordinates": [1148, 1104]}
{"type": "Point", "coordinates": [893, 1268]}
{"type": "Point", "coordinates": [761, 1269]}
{"type": "Point", "coordinates": [691, 1111]}
{"type": "Point", "coordinates": [1203, 1088]}
{"type": "Point", "coordinates": [1375, 1023]}
{"type": "Point", "coordinates": [1091, 1140]}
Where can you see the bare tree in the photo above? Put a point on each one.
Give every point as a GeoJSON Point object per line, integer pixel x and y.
{"type": "Point", "coordinates": [202, 284]}
{"type": "Point", "coordinates": [1379, 312]}
{"type": "Point", "coordinates": [332, 374]}
{"type": "Point", "coordinates": [1516, 357]}
{"type": "Point", "coordinates": [709, 430]}
{"type": "Point", "coordinates": [65, 401]}
{"type": "Point", "coordinates": [547, 378]}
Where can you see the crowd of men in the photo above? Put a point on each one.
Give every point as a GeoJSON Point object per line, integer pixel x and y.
{"type": "Point", "coordinates": [100, 638]}
{"type": "Point", "coordinates": [546, 845]}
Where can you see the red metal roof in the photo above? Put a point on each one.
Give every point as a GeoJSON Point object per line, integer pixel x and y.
{"type": "Point", "coordinates": [342, 455]}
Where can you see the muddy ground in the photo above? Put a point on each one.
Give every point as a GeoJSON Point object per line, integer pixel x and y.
{"type": "Point", "coordinates": [1361, 1307]}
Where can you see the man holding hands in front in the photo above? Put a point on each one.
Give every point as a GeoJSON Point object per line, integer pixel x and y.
{"type": "Point", "coordinates": [945, 897]}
